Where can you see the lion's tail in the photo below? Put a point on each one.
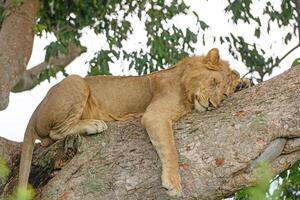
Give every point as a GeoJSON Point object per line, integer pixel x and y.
{"type": "Point", "coordinates": [26, 156]}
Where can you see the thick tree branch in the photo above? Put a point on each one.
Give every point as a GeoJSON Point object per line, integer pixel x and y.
{"type": "Point", "coordinates": [16, 40]}
{"type": "Point", "coordinates": [29, 79]}
{"type": "Point", "coordinates": [218, 150]}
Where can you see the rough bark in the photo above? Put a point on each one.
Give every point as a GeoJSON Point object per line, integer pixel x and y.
{"type": "Point", "coordinates": [29, 79]}
{"type": "Point", "coordinates": [218, 150]}
{"type": "Point", "coordinates": [16, 40]}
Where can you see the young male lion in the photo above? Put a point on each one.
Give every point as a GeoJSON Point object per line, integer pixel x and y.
{"type": "Point", "coordinates": [81, 105]}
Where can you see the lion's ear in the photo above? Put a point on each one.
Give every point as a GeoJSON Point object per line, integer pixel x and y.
{"type": "Point", "coordinates": [213, 58]}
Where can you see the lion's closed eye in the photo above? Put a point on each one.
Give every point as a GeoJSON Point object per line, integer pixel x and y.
{"type": "Point", "coordinates": [214, 82]}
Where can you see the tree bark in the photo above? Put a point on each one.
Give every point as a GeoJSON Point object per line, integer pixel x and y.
{"type": "Point", "coordinates": [16, 40]}
{"type": "Point", "coordinates": [218, 150]}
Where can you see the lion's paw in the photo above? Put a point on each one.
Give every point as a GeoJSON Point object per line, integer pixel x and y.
{"type": "Point", "coordinates": [95, 126]}
{"type": "Point", "coordinates": [172, 182]}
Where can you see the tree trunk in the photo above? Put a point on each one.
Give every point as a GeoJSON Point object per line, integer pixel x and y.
{"type": "Point", "coordinates": [218, 150]}
{"type": "Point", "coordinates": [16, 40]}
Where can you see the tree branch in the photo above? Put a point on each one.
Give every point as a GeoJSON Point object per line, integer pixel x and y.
{"type": "Point", "coordinates": [29, 79]}
{"type": "Point", "coordinates": [218, 150]}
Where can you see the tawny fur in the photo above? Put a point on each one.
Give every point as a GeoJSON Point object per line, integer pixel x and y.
{"type": "Point", "coordinates": [80, 105]}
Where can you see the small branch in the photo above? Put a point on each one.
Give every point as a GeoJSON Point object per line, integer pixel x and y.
{"type": "Point", "coordinates": [30, 77]}
{"type": "Point", "coordinates": [285, 55]}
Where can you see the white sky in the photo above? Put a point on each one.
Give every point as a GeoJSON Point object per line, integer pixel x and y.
{"type": "Point", "coordinates": [13, 120]}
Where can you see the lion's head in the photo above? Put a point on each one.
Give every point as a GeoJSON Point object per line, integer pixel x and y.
{"type": "Point", "coordinates": [208, 80]}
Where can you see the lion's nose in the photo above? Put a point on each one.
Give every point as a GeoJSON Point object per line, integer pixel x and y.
{"type": "Point", "coordinates": [244, 83]}
{"type": "Point", "coordinates": [210, 106]}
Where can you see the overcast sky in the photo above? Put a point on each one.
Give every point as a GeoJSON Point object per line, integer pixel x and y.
{"type": "Point", "coordinates": [14, 119]}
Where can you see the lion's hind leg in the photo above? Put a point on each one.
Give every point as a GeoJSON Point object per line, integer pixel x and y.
{"type": "Point", "coordinates": [73, 142]}
{"type": "Point", "coordinates": [61, 112]}
{"type": "Point", "coordinates": [81, 127]}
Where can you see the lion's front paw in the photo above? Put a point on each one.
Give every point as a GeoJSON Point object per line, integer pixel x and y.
{"type": "Point", "coordinates": [172, 182]}
{"type": "Point", "coordinates": [95, 126]}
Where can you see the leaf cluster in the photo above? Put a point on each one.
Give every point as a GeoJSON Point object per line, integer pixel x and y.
{"type": "Point", "coordinates": [112, 19]}
{"type": "Point", "coordinates": [19, 193]}
{"type": "Point", "coordinates": [286, 185]}
{"type": "Point", "coordinates": [256, 59]}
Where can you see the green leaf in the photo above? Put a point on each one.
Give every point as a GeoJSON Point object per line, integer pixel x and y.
{"type": "Point", "coordinates": [203, 25]}
{"type": "Point", "coordinates": [54, 49]}
{"type": "Point", "coordinates": [287, 38]}
{"type": "Point", "coordinates": [39, 28]}
{"type": "Point", "coordinates": [190, 36]}
{"type": "Point", "coordinates": [296, 62]}
{"type": "Point", "coordinates": [257, 32]}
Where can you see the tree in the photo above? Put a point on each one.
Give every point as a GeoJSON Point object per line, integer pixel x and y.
{"type": "Point", "coordinates": [219, 151]}
{"type": "Point", "coordinates": [166, 43]}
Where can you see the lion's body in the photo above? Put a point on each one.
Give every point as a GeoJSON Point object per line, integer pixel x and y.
{"type": "Point", "coordinates": [134, 93]}
{"type": "Point", "coordinates": [80, 105]}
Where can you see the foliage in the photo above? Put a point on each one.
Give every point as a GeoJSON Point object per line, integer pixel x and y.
{"type": "Point", "coordinates": [112, 19]}
{"type": "Point", "coordinates": [286, 185]}
{"type": "Point", "coordinates": [51, 72]}
{"type": "Point", "coordinates": [252, 56]}
{"type": "Point", "coordinates": [262, 175]}
{"type": "Point", "coordinates": [166, 42]}
{"type": "Point", "coordinates": [255, 58]}
{"type": "Point", "coordinates": [22, 194]}
{"type": "Point", "coordinates": [296, 62]}
{"type": "Point", "coordinates": [19, 193]}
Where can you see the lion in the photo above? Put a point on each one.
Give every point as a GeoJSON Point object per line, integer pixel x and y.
{"type": "Point", "coordinates": [79, 105]}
